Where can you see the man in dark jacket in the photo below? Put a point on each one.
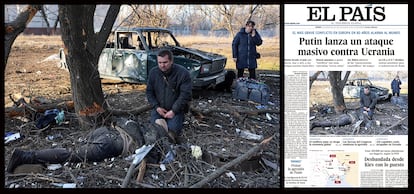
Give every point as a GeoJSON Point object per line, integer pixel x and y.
{"type": "Point", "coordinates": [104, 142]}
{"type": "Point", "coordinates": [169, 91]}
{"type": "Point", "coordinates": [395, 86]}
{"type": "Point", "coordinates": [244, 49]}
{"type": "Point", "coordinates": [368, 100]}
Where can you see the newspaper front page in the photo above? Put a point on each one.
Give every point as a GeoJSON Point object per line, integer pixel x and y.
{"type": "Point", "coordinates": [352, 149]}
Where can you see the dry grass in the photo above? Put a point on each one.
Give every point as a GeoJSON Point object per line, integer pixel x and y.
{"type": "Point", "coordinates": [38, 41]}
{"type": "Point", "coordinates": [269, 49]}
{"type": "Point", "coordinates": [321, 91]}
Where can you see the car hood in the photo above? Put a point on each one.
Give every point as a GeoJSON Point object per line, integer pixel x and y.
{"type": "Point", "coordinates": [380, 88]}
{"type": "Point", "coordinates": [202, 54]}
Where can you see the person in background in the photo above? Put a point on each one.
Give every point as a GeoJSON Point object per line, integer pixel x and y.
{"type": "Point", "coordinates": [395, 86]}
{"type": "Point", "coordinates": [169, 91]}
{"type": "Point", "coordinates": [368, 100]}
{"type": "Point", "coordinates": [244, 49]}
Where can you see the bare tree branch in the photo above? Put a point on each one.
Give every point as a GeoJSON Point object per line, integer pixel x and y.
{"type": "Point", "coordinates": [15, 28]}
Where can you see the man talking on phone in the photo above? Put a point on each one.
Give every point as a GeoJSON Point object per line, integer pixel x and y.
{"type": "Point", "coordinates": [244, 49]}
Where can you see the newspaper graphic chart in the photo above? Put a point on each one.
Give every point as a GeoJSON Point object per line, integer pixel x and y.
{"type": "Point", "coordinates": [341, 37]}
{"type": "Point", "coordinates": [338, 169]}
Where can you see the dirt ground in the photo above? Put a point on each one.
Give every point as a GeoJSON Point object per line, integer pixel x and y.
{"type": "Point", "coordinates": [33, 74]}
{"type": "Point", "coordinates": [390, 118]}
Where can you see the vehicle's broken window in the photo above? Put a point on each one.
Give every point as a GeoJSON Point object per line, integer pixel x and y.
{"type": "Point", "coordinates": [161, 39]}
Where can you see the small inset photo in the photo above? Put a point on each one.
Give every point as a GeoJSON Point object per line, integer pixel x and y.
{"type": "Point", "coordinates": [358, 103]}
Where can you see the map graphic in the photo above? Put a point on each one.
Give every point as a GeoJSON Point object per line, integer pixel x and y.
{"type": "Point", "coordinates": [336, 169]}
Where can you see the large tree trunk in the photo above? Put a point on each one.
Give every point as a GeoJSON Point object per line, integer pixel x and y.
{"type": "Point", "coordinates": [82, 49]}
{"type": "Point", "coordinates": [313, 78]}
{"type": "Point", "coordinates": [13, 29]}
{"type": "Point", "coordinates": [337, 86]}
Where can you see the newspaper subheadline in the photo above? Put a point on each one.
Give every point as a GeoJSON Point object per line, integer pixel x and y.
{"type": "Point", "coordinates": [384, 161]}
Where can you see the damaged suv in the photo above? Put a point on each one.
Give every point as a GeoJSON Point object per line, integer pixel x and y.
{"type": "Point", "coordinates": [354, 87]}
{"type": "Point", "coordinates": [130, 54]}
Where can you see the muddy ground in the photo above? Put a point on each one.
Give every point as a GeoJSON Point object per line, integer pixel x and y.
{"type": "Point", "coordinates": [34, 75]}
{"type": "Point", "coordinates": [390, 118]}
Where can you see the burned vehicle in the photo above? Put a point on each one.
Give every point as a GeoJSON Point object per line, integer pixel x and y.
{"type": "Point", "coordinates": [130, 53]}
{"type": "Point", "coordinates": [354, 88]}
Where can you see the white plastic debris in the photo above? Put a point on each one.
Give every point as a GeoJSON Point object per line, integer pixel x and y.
{"type": "Point", "coordinates": [162, 166]}
{"type": "Point", "coordinates": [231, 175]}
{"type": "Point", "coordinates": [225, 114]}
{"type": "Point", "coordinates": [69, 185]}
{"type": "Point", "coordinates": [54, 166]}
{"type": "Point", "coordinates": [64, 185]}
{"type": "Point", "coordinates": [155, 177]}
{"type": "Point", "coordinates": [196, 151]}
{"type": "Point", "coordinates": [141, 153]}
{"type": "Point", "coordinates": [11, 137]}
{"type": "Point", "coordinates": [248, 135]}
{"type": "Point", "coordinates": [268, 117]}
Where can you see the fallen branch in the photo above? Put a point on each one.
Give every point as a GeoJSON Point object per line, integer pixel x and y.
{"type": "Point", "coordinates": [36, 176]}
{"type": "Point", "coordinates": [236, 113]}
{"type": "Point", "coordinates": [136, 111]}
{"type": "Point", "coordinates": [21, 107]}
{"type": "Point", "coordinates": [120, 180]}
{"type": "Point", "coordinates": [141, 172]}
{"type": "Point", "coordinates": [236, 161]}
{"type": "Point", "coordinates": [392, 126]}
{"type": "Point", "coordinates": [140, 154]}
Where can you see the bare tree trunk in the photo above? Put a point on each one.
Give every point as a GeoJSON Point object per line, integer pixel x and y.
{"type": "Point", "coordinates": [252, 10]}
{"type": "Point", "coordinates": [45, 18]}
{"type": "Point", "coordinates": [13, 29]}
{"type": "Point", "coordinates": [313, 78]}
{"type": "Point", "coordinates": [337, 86]}
{"type": "Point", "coordinates": [82, 49]}
{"type": "Point", "coordinates": [55, 25]}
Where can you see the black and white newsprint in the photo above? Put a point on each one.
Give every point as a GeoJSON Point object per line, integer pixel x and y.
{"type": "Point", "coordinates": [331, 140]}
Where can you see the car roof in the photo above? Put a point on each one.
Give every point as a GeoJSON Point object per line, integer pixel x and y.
{"type": "Point", "coordinates": [123, 28]}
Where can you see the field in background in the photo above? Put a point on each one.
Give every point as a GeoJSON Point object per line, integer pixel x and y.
{"type": "Point", "coordinates": [38, 41]}
{"type": "Point", "coordinates": [269, 50]}
{"type": "Point", "coordinates": [321, 91]}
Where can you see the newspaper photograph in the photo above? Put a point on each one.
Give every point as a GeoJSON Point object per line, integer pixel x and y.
{"type": "Point", "coordinates": [346, 95]}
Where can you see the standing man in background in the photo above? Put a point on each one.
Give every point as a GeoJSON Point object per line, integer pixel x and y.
{"type": "Point", "coordinates": [395, 86]}
{"type": "Point", "coordinates": [244, 49]}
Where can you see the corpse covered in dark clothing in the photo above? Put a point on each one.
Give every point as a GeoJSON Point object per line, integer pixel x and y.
{"type": "Point", "coordinates": [120, 139]}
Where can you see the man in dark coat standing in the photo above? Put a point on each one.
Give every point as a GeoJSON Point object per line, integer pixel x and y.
{"type": "Point", "coordinates": [395, 86]}
{"type": "Point", "coordinates": [244, 49]}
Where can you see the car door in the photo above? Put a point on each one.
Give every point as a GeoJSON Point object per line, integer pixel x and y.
{"type": "Point", "coordinates": [129, 61]}
{"type": "Point", "coordinates": [351, 90]}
